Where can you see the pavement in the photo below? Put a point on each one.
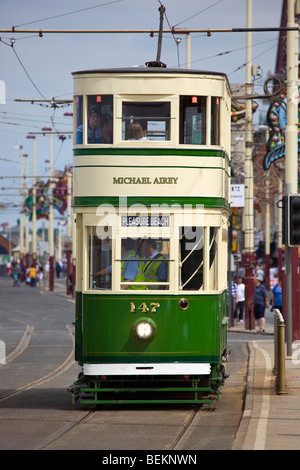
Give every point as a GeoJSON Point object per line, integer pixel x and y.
{"type": "Point", "coordinates": [271, 416]}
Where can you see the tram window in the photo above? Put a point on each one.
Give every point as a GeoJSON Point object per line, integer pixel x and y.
{"type": "Point", "coordinates": [192, 128]}
{"type": "Point", "coordinates": [79, 119]}
{"type": "Point", "coordinates": [100, 259]}
{"type": "Point", "coordinates": [213, 258]}
{"type": "Point", "coordinates": [100, 119]}
{"type": "Point", "coordinates": [191, 258]}
{"type": "Point", "coordinates": [146, 121]}
{"type": "Point", "coordinates": [145, 263]}
{"type": "Point", "coordinates": [215, 121]}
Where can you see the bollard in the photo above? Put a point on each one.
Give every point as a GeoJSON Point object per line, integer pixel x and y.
{"type": "Point", "coordinates": [279, 338]}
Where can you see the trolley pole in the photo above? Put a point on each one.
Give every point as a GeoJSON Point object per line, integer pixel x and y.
{"type": "Point", "coordinates": [248, 215]}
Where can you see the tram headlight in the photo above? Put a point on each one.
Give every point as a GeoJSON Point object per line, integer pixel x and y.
{"type": "Point", "coordinates": [145, 328]}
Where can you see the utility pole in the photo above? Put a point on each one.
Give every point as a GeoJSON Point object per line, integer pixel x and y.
{"type": "Point", "coordinates": [21, 214]}
{"type": "Point", "coordinates": [34, 256]}
{"type": "Point", "coordinates": [248, 214]}
{"type": "Point", "coordinates": [291, 153]}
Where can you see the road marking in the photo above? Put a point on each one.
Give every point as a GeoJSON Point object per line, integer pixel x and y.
{"type": "Point", "coordinates": [261, 433]}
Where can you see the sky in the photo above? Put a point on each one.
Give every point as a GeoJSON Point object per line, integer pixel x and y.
{"type": "Point", "coordinates": [35, 68]}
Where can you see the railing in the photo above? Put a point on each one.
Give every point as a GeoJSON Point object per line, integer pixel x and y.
{"type": "Point", "coordinates": [279, 352]}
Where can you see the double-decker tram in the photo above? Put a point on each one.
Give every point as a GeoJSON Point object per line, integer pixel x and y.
{"type": "Point", "coordinates": [151, 202]}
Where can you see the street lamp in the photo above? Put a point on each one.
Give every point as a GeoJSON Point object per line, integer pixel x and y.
{"type": "Point", "coordinates": [20, 147]}
{"type": "Point", "coordinates": [34, 256]}
{"type": "Point", "coordinates": [50, 233]}
{"type": "Point", "coordinates": [25, 155]}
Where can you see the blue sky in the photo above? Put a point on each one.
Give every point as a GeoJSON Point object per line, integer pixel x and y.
{"type": "Point", "coordinates": [42, 66]}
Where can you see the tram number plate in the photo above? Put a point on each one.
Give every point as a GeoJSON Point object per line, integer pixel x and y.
{"type": "Point", "coordinates": [145, 221]}
{"type": "Point", "coordinates": [153, 306]}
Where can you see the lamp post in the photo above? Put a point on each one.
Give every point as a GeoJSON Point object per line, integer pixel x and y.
{"type": "Point", "coordinates": [248, 215]}
{"type": "Point", "coordinates": [291, 155]}
{"type": "Point", "coordinates": [26, 215]}
{"type": "Point", "coordinates": [20, 147]}
{"type": "Point", "coordinates": [50, 231]}
{"type": "Point", "coordinates": [34, 256]}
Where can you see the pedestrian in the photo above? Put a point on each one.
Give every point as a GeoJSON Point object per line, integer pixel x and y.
{"type": "Point", "coordinates": [233, 296]}
{"type": "Point", "coordinates": [57, 269]}
{"type": "Point", "coordinates": [240, 298]}
{"type": "Point", "coordinates": [32, 275]}
{"type": "Point", "coordinates": [261, 302]}
{"type": "Point", "coordinates": [277, 295]}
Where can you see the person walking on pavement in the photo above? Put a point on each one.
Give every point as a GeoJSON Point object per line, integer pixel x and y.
{"type": "Point", "coordinates": [277, 296]}
{"type": "Point", "coordinates": [240, 298]}
{"type": "Point", "coordinates": [261, 302]}
{"type": "Point", "coordinates": [32, 275]}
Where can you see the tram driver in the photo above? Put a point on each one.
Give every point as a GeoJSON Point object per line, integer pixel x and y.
{"type": "Point", "coordinates": [155, 266]}
{"type": "Point", "coordinates": [131, 267]}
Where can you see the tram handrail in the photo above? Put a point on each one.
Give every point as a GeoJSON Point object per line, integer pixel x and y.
{"type": "Point", "coordinates": [279, 352]}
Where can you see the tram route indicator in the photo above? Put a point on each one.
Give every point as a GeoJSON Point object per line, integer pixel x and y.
{"type": "Point", "coordinates": [145, 221]}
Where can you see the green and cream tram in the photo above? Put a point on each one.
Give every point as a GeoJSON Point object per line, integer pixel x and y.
{"type": "Point", "coordinates": [151, 202]}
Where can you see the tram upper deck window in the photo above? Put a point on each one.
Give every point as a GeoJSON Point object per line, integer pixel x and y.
{"type": "Point", "coordinates": [99, 121]}
{"type": "Point", "coordinates": [215, 121]}
{"type": "Point", "coordinates": [192, 128]}
{"type": "Point", "coordinates": [146, 121]}
{"type": "Point", "coordinates": [79, 119]}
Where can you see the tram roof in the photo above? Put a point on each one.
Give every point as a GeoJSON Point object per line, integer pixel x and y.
{"type": "Point", "coordinates": [151, 70]}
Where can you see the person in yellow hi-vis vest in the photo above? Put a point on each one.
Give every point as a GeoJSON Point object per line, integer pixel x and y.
{"type": "Point", "coordinates": [131, 267]}
{"type": "Point", "coordinates": [155, 266]}
{"type": "Point", "coordinates": [32, 275]}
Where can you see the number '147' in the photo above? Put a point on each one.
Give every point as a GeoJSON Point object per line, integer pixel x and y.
{"type": "Point", "coordinates": [143, 307]}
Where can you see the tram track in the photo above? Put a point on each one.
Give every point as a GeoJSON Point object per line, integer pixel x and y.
{"type": "Point", "coordinates": [185, 427]}
{"type": "Point", "coordinates": [66, 430]}
{"type": "Point", "coordinates": [65, 365]}
{"type": "Point", "coordinates": [22, 344]}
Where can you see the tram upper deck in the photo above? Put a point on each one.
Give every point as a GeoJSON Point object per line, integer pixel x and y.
{"type": "Point", "coordinates": [151, 133]}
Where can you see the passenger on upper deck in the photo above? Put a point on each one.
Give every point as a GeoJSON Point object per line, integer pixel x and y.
{"type": "Point", "coordinates": [94, 133]}
{"type": "Point", "coordinates": [106, 129]}
{"type": "Point", "coordinates": [136, 132]}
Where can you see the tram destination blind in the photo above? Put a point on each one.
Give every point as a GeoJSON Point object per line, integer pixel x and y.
{"type": "Point", "coordinates": [145, 221]}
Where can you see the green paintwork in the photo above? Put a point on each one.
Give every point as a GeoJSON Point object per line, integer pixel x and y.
{"type": "Point", "coordinates": [207, 152]}
{"type": "Point", "coordinates": [105, 328]}
{"type": "Point", "coordinates": [90, 201]}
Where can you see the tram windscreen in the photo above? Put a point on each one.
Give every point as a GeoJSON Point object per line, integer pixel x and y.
{"type": "Point", "coordinates": [145, 263]}
{"type": "Point", "coordinates": [100, 259]}
{"type": "Point", "coordinates": [195, 272]}
{"type": "Point", "coordinates": [146, 121]}
{"type": "Point", "coordinates": [191, 258]}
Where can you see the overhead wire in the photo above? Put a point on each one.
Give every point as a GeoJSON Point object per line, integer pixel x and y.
{"type": "Point", "coordinates": [70, 13]}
